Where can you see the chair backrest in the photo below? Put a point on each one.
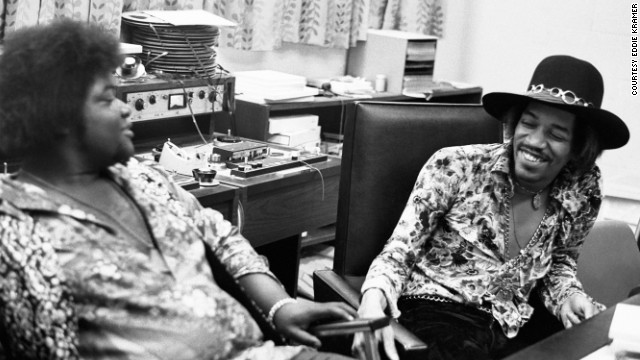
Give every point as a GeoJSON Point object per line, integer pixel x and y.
{"type": "Point", "coordinates": [609, 262]}
{"type": "Point", "coordinates": [386, 145]}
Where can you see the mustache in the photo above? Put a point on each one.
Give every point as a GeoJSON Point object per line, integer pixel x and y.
{"type": "Point", "coordinates": [533, 150]}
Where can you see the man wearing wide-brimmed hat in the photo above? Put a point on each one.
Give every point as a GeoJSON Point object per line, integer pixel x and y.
{"type": "Point", "coordinates": [484, 223]}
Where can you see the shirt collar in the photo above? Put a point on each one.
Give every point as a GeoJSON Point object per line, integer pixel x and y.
{"type": "Point", "coordinates": [17, 197]}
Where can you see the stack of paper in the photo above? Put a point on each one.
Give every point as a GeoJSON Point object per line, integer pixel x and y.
{"type": "Point", "coordinates": [301, 131]}
{"type": "Point", "coordinates": [269, 86]}
{"type": "Point", "coordinates": [292, 123]}
{"type": "Point", "coordinates": [625, 329]}
{"type": "Point", "coordinates": [421, 50]}
{"type": "Point", "coordinates": [127, 48]}
{"type": "Point", "coordinates": [350, 86]}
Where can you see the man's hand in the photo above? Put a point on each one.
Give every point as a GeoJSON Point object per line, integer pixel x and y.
{"type": "Point", "coordinates": [293, 320]}
{"type": "Point", "coordinates": [576, 309]}
{"type": "Point", "coordinates": [372, 306]}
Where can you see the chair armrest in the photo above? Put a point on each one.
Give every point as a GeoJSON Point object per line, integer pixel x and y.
{"type": "Point", "coordinates": [329, 286]}
{"type": "Point", "coordinates": [346, 327]}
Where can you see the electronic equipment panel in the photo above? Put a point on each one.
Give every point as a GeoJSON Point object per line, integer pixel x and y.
{"type": "Point", "coordinates": [157, 97]}
{"type": "Point", "coordinates": [235, 161]}
{"type": "Point", "coordinates": [278, 161]}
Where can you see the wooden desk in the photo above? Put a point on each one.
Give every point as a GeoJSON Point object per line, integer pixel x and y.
{"type": "Point", "coordinates": [274, 208]}
{"type": "Point", "coordinates": [278, 207]}
{"type": "Point", "coordinates": [574, 343]}
{"type": "Point", "coordinates": [223, 198]}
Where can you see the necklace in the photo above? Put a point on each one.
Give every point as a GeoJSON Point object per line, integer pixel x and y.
{"type": "Point", "coordinates": [512, 226]}
{"type": "Point", "coordinates": [506, 227]}
{"type": "Point", "coordinates": [536, 199]}
{"type": "Point", "coordinates": [510, 222]}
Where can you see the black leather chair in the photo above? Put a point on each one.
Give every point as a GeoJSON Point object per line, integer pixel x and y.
{"type": "Point", "coordinates": [636, 289]}
{"type": "Point", "coordinates": [609, 263]}
{"type": "Point", "coordinates": [386, 145]}
{"type": "Point", "coordinates": [608, 267]}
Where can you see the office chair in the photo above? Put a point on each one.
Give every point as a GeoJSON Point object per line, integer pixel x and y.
{"type": "Point", "coordinates": [609, 262]}
{"type": "Point", "coordinates": [636, 289]}
{"type": "Point", "coordinates": [386, 145]}
{"type": "Point", "coordinates": [608, 267]}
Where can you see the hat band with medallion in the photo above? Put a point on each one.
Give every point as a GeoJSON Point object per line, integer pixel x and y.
{"type": "Point", "coordinates": [557, 95]}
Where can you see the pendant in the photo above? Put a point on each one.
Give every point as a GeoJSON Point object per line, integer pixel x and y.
{"type": "Point", "coordinates": [535, 201]}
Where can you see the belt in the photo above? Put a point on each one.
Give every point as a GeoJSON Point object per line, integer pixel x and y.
{"type": "Point", "coordinates": [442, 299]}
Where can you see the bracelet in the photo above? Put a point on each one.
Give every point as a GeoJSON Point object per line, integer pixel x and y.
{"type": "Point", "coordinates": [276, 307]}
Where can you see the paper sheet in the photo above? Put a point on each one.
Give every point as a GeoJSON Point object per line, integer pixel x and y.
{"type": "Point", "coordinates": [190, 17]}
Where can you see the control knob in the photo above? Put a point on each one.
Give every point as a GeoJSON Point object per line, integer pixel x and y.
{"type": "Point", "coordinates": [139, 104]}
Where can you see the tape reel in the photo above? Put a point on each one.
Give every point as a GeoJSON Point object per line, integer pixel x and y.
{"type": "Point", "coordinates": [131, 68]}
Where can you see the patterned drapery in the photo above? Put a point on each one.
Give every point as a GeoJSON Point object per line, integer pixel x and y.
{"type": "Point", "coordinates": [262, 24]}
{"type": "Point", "coordinates": [265, 24]}
{"type": "Point", "coordinates": [16, 14]}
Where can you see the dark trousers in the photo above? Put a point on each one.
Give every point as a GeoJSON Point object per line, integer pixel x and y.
{"type": "Point", "coordinates": [456, 331]}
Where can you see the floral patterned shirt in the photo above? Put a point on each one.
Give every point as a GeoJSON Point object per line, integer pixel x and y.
{"type": "Point", "coordinates": [450, 239]}
{"type": "Point", "coordinates": [71, 285]}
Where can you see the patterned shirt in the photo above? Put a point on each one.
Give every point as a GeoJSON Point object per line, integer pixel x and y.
{"type": "Point", "coordinates": [71, 284]}
{"type": "Point", "coordinates": [450, 239]}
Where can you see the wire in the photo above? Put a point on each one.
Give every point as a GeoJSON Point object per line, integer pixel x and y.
{"type": "Point", "coordinates": [342, 112]}
{"type": "Point", "coordinates": [193, 117]}
{"type": "Point", "coordinates": [164, 53]}
{"type": "Point", "coordinates": [240, 216]}
{"type": "Point", "coordinates": [318, 171]}
{"type": "Point", "coordinates": [211, 82]}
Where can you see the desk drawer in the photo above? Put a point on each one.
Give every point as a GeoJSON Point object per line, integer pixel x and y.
{"type": "Point", "coordinates": [285, 211]}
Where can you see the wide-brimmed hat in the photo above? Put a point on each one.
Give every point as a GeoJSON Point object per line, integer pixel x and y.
{"type": "Point", "coordinates": [570, 84]}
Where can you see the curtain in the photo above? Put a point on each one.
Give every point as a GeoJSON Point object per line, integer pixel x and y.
{"type": "Point", "coordinates": [15, 14]}
{"type": "Point", "coordinates": [265, 24]}
{"type": "Point", "coordinates": [262, 24]}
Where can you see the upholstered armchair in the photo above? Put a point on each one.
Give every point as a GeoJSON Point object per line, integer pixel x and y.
{"type": "Point", "coordinates": [386, 145]}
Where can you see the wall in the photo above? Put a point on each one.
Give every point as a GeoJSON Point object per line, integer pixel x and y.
{"type": "Point", "coordinates": [497, 44]}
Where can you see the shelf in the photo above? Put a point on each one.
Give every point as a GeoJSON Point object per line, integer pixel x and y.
{"type": "Point", "coordinates": [320, 235]}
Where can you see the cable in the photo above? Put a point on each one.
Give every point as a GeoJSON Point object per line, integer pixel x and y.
{"type": "Point", "coordinates": [193, 51]}
{"type": "Point", "coordinates": [240, 216]}
{"type": "Point", "coordinates": [318, 171]}
{"type": "Point", "coordinates": [164, 53]}
{"type": "Point", "coordinates": [342, 112]}
{"type": "Point", "coordinates": [211, 84]}
{"type": "Point", "coordinates": [193, 117]}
